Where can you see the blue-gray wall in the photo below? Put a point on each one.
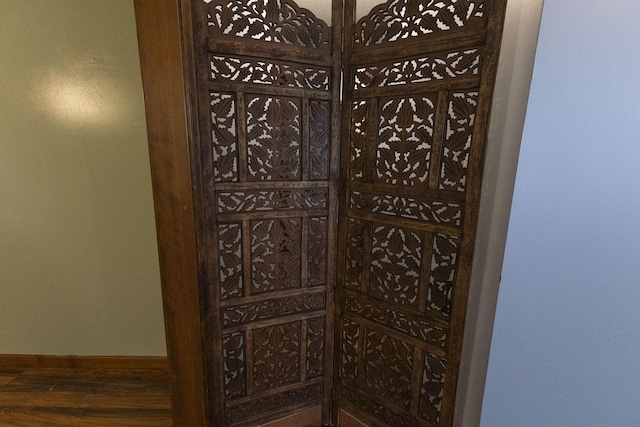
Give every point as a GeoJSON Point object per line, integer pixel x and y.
{"type": "Point", "coordinates": [566, 342]}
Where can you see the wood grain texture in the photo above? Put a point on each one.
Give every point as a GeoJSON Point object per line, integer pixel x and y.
{"type": "Point", "coordinates": [168, 110]}
{"type": "Point", "coordinates": [67, 362]}
{"type": "Point", "coordinates": [82, 397]}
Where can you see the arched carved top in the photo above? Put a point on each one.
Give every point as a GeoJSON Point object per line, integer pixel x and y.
{"type": "Point", "coordinates": [280, 21]}
{"type": "Point", "coordinates": [403, 19]}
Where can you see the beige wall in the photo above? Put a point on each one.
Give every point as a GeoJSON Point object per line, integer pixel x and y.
{"type": "Point", "coordinates": [78, 258]}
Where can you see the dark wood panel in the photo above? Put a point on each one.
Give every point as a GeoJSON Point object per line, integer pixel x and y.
{"type": "Point", "coordinates": [163, 62]}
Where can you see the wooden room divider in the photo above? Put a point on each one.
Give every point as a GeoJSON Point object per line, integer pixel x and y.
{"type": "Point", "coordinates": [316, 193]}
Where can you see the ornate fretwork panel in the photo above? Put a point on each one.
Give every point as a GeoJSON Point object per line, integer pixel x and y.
{"type": "Point", "coordinates": [401, 19]}
{"type": "Point", "coordinates": [273, 138]}
{"type": "Point", "coordinates": [461, 113]}
{"type": "Point", "coordinates": [388, 366]}
{"type": "Point", "coordinates": [276, 355]}
{"type": "Point", "coordinates": [269, 73]}
{"type": "Point", "coordinates": [437, 66]}
{"type": "Point", "coordinates": [405, 137]}
{"type": "Point", "coordinates": [418, 85]}
{"type": "Point", "coordinates": [269, 180]}
{"type": "Point", "coordinates": [224, 136]}
{"type": "Point", "coordinates": [336, 275]}
{"type": "Point", "coordinates": [279, 21]}
{"type": "Point", "coordinates": [395, 265]}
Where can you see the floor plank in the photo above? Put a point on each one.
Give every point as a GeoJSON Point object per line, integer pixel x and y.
{"type": "Point", "coordinates": [49, 397]}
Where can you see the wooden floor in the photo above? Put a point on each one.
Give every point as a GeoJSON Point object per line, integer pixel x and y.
{"type": "Point", "coordinates": [53, 397]}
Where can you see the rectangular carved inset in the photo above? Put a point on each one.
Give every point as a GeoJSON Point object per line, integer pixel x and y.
{"type": "Point", "coordinates": [443, 271]}
{"type": "Point", "coordinates": [354, 254]}
{"type": "Point", "coordinates": [432, 388]}
{"type": "Point", "coordinates": [372, 408]}
{"type": "Point", "coordinates": [405, 138]}
{"type": "Point", "coordinates": [411, 324]}
{"type": "Point", "coordinates": [276, 355]}
{"type": "Point", "coordinates": [396, 255]}
{"type": "Point", "coordinates": [437, 212]}
{"type": "Point", "coordinates": [389, 362]}
{"type": "Point", "coordinates": [317, 251]}
{"type": "Point", "coordinates": [272, 308]}
{"type": "Point", "coordinates": [235, 359]}
{"type": "Point", "coordinates": [273, 138]}
{"type": "Point", "coordinates": [230, 262]}
{"type": "Point", "coordinates": [224, 136]}
{"type": "Point", "coordinates": [438, 66]}
{"type": "Point", "coordinates": [315, 347]}
{"type": "Point", "coordinates": [461, 115]}
{"type": "Point", "coordinates": [350, 352]}
{"type": "Point", "coordinates": [238, 69]}
{"type": "Point", "coordinates": [319, 139]}
{"type": "Point", "coordinates": [245, 410]}
{"type": "Point", "coordinates": [358, 149]}
{"type": "Point", "coordinates": [270, 200]}
{"type": "Point", "coordinates": [275, 254]}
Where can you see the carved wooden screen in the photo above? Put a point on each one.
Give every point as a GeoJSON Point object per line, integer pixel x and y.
{"type": "Point", "coordinates": [268, 155]}
{"type": "Point", "coordinates": [419, 79]}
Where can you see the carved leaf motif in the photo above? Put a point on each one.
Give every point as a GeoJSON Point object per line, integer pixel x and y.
{"type": "Point", "coordinates": [458, 139]}
{"type": "Point", "coordinates": [276, 355]}
{"type": "Point", "coordinates": [402, 19]}
{"type": "Point", "coordinates": [233, 350]}
{"type": "Point", "coordinates": [275, 254]}
{"type": "Point", "coordinates": [273, 135]}
{"type": "Point", "coordinates": [395, 265]}
{"type": "Point", "coordinates": [432, 389]}
{"type": "Point", "coordinates": [230, 250]}
{"type": "Point", "coordinates": [388, 368]}
{"type": "Point", "coordinates": [359, 111]}
{"type": "Point", "coordinates": [405, 139]}
{"type": "Point", "coordinates": [315, 347]}
{"type": "Point", "coordinates": [443, 270]}
{"type": "Point", "coordinates": [317, 251]}
{"type": "Point", "coordinates": [279, 21]}
{"type": "Point", "coordinates": [355, 254]}
{"type": "Point", "coordinates": [319, 139]}
{"type": "Point", "coordinates": [438, 66]}
{"type": "Point", "coordinates": [224, 137]}
{"type": "Point", "coordinates": [350, 352]}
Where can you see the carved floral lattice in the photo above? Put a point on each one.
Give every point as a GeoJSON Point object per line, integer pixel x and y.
{"type": "Point", "coordinates": [402, 19]}
{"type": "Point", "coordinates": [273, 138]}
{"type": "Point", "coordinates": [233, 352]}
{"type": "Point", "coordinates": [224, 137]}
{"type": "Point", "coordinates": [268, 73]}
{"type": "Point", "coordinates": [432, 390]}
{"type": "Point", "coordinates": [279, 21]}
{"type": "Point", "coordinates": [395, 265]}
{"type": "Point", "coordinates": [405, 138]}
{"type": "Point", "coordinates": [276, 355]}
{"type": "Point", "coordinates": [315, 347]}
{"type": "Point", "coordinates": [388, 364]}
{"type": "Point", "coordinates": [440, 66]}
{"type": "Point", "coordinates": [444, 261]}
{"type": "Point", "coordinates": [357, 164]}
{"type": "Point", "coordinates": [230, 263]}
{"type": "Point", "coordinates": [275, 254]}
{"type": "Point", "coordinates": [461, 116]}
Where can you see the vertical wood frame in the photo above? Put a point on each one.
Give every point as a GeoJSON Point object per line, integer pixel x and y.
{"type": "Point", "coordinates": [167, 85]}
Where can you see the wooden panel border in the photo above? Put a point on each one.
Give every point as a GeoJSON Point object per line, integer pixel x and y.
{"type": "Point", "coordinates": [83, 362]}
{"type": "Point", "coordinates": [169, 126]}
